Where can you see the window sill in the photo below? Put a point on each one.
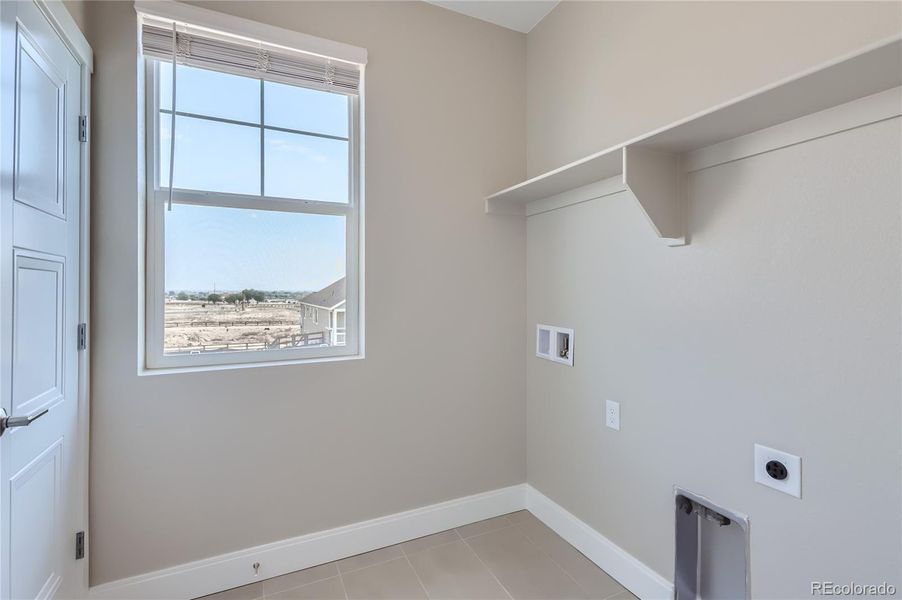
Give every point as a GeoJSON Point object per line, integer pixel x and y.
{"type": "Point", "coordinates": [144, 370]}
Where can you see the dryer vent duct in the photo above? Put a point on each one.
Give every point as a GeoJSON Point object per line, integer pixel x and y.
{"type": "Point", "coordinates": [712, 550]}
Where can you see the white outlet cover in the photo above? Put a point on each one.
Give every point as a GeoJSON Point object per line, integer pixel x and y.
{"type": "Point", "coordinates": [612, 414]}
{"type": "Point", "coordinates": [792, 485]}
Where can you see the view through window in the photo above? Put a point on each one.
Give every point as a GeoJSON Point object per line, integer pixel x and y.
{"type": "Point", "coordinates": [242, 279]}
{"type": "Point", "coordinates": [256, 246]}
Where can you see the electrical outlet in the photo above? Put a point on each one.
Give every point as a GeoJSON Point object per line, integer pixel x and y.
{"type": "Point", "coordinates": [779, 470]}
{"type": "Point", "coordinates": [612, 414]}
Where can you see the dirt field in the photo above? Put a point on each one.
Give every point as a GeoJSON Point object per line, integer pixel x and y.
{"type": "Point", "coordinates": [207, 327]}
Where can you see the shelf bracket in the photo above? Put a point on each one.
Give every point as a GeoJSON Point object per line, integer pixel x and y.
{"type": "Point", "coordinates": [655, 181]}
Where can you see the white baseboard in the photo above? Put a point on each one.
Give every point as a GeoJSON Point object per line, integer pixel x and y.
{"type": "Point", "coordinates": [635, 575]}
{"type": "Point", "coordinates": [234, 569]}
{"type": "Point", "coordinates": [217, 573]}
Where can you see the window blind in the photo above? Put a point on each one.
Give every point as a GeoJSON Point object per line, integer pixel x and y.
{"type": "Point", "coordinates": [221, 52]}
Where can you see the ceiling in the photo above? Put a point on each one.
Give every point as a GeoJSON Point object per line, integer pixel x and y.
{"type": "Point", "coordinates": [519, 15]}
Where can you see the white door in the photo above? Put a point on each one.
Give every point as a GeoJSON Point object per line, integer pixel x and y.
{"type": "Point", "coordinates": [42, 474]}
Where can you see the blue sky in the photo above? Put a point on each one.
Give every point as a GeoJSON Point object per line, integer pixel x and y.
{"type": "Point", "coordinates": [240, 248]}
{"type": "Point", "coordinates": [265, 250]}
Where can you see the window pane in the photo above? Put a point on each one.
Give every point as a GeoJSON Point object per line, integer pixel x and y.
{"type": "Point", "coordinates": [211, 156]}
{"type": "Point", "coordinates": [306, 167]}
{"type": "Point", "coordinates": [240, 279]}
{"type": "Point", "coordinates": [211, 93]}
{"type": "Point", "coordinates": [295, 107]}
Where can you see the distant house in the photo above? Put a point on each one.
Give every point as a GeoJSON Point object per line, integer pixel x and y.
{"type": "Point", "coordinates": [325, 311]}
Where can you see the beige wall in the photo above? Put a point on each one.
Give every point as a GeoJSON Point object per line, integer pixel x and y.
{"type": "Point", "coordinates": [192, 465]}
{"type": "Point", "coordinates": [786, 302]}
{"type": "Point", "coordinates": [779, 324]}
{"type": "Point", "coordinates": [600, 73]}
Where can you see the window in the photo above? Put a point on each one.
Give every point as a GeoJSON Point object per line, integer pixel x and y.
{"type": "Point", "coordinates": [261, 225]}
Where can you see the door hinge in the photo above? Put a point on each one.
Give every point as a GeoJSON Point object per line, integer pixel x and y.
{"type": "Point", "coordinates": [79, 545]}
{"type": "Point", "coordinates": [82, 336]}
{"type": "Point", "coordinates": [83, 128]}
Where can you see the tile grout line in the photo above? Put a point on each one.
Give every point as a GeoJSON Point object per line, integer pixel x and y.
{"type": "Point", "coordinates": [454, 529]}
{"type": "Point", "coordinates": [551, 558]}
{"type": "Point", "coordinates": [566, 572]}
{"type": "Point", "coordinates": [267, 595]}
{"type": "Point", "coordinates": [341, 580]}
{"type": "Point", "coordinates": [417, 575]}
{"type": "Point", "coordinates": [510, 524]}
{"type": "Point", "coordinates": [482, 562]}
{"type": "Point", "coordinates": [414, 569]}
{"type": "Point", "coordinates": [406, 553]}
{"type": "Point", "coordinates": [623, 591]}
{"type": "Point", "coordinates": [375, 564]}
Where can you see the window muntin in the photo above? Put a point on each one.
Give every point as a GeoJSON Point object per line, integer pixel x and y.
{"type": "Point", "coordinates": [224, 120]}
{"type": "Point", "coordinates": [211, 156]}
{"type": "Point", "coordinates": [280, 196]}
{"type": "Point", "coordinates": [211, 93]}
{"type": "Point", "coordinates": [305, 167]}
{"type": "Point", "coordinates": [302, 109]}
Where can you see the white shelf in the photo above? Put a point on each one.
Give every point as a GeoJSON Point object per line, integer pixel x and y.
{"type": "Point", "coordinates": [650, 164]}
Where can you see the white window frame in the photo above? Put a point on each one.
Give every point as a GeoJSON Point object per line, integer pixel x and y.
{"type": "Point", "coordinates": [156, 201]}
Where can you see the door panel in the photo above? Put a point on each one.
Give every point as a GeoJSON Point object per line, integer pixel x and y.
{"type": "Point", "coordinates": [41, 467]}
{"type": "Point", "coordinates": [40, 102]}
{"type": "Point", "coordinates": [34, 497]}
{"type": "Point", "coordinates": [34, 230]}
{"type": "Point", "coordinates": [38, 297]}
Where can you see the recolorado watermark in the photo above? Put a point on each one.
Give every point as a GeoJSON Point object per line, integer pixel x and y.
{"type": "Point", "coordinates": [829, 588]}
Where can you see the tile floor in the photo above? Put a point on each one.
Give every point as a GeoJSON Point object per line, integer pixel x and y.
{"type": "Point", "coordinates": [512, 556]}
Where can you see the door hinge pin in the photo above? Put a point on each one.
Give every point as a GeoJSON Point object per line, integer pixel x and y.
{"type": "Point", "coordinates": [83, 128]}
{"type": "Point", "coordinates": [82, 336]}
{"type": "Point", "coordinates": [79, 545]}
